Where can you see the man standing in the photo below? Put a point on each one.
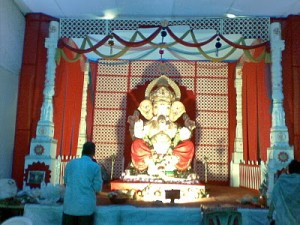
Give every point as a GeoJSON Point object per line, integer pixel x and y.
{"type": "Point", "coordinates": [285, 197]}
{"type": "Point", "coordinates": [83, 180]}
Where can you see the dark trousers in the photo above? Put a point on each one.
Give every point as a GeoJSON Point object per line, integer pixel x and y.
{"type": "Point", "coordinates": [77, 220]}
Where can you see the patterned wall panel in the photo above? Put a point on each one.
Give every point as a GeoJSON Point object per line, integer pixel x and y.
{"type": "Point", "coordinates": [218, 153]}
{"type": "Point", "coordinates": [214, 137]}
{"type": "Point", "coordinates": [217, 172]}
{"type": "Point", "coordinates": [212, 119]}
{"type": "Point", "coordinates": [104, 117]}
{"type": "Point", "coordinates": [212, 102]}
{"type": "Point", "coordinates": [110, 114]}
{"type": "Point", "coordinates": [189, 83]}
{"type": "Point", "coordinates": [111, 84]}
{"type": "Point", "coordinates": [146, 69]}
{"type": "Point", "coordinates": [208, 69]}
{"type": "Point", "coordinates": [113, 67]}
{"type": "Point", "coordinates": [105, 100]}
{"type": "Point", "coordinates": [109, 134]}
{"type": "Point", "coordinates": [111, 156]}
{"type": "Point", "coordinates": [212, 86]}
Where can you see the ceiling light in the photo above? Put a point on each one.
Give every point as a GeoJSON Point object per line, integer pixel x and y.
{"type": "Point", "coordinates": [230, 15]}
{"type": "Point", "coordinates": [110, 14]}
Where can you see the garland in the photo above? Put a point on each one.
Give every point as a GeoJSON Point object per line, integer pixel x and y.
{"type": "Point", "coordinates": [87, 46]}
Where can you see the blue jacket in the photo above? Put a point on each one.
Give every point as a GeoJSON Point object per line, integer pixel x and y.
{"type": "Point", "coordinates": [83, 180]}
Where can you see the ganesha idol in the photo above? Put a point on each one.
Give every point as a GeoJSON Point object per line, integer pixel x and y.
{"type": "Point", "coordinates": [160, 144]}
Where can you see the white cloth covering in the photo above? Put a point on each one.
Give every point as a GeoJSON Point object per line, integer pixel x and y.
{"type": "Point", "coordinates": [133, 215]}
{"type": "Point", "coordinates": [17, 220]}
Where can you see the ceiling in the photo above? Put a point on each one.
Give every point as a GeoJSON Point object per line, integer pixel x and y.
{"type": "Point", "coordinates": [159, 8]}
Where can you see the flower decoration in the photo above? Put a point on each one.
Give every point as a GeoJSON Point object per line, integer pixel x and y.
{"type": "Point", "coordinates": [163, 33]}
{"type": "Point", "coordinates": [218, 45]}
{"type": "Point", "coordinates": [39, 149]}
{"type": "Point", "coordinates": [111, 43]}
{"type": "Point", "coordinates": [161, 52]}
{"type": "Point", "coordinates": [164, 23]}
{"type": "Point", "coordinates": [283, 157]}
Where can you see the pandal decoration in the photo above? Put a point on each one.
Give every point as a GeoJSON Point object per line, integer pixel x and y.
{"type": "Point", "coordinates": [87, 46]}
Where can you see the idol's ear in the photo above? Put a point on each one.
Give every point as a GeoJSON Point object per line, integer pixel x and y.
{"type": "Point", "coordinates": [146, 109]}
{"type": "Point", "coordinates": [177, 109]}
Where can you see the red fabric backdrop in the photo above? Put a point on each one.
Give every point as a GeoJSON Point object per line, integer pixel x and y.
{"type": "Point", "coordinates": [291, 79]}
{"type": "Point", "coordinates": [256, 110]}
{"type": "Point", "coordinates": [67, 103]}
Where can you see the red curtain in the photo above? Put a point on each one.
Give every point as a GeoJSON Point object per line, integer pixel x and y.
{"type": "Point", "coordinates": [67, 104]}
{"type": "Point", "coordinates": [291, 79]}
{"type": "Point", "coordinates": [256, 109]}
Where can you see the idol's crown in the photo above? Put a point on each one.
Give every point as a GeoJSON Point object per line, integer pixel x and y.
{"type": "Point", "coordinates": [162, 94]}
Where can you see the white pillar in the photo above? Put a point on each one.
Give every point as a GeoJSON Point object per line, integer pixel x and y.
{"type": "Point", "coordinates": [82, 127]}
{"type": "Point", "coordinates": [279, 153]}
{"type": "Point", "coordinates": [43, 147]}
{"type": "Point", "coordinates": [237, 156]}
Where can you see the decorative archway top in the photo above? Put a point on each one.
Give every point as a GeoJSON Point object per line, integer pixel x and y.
{"type": "Point", "coordinates": [248, 27]}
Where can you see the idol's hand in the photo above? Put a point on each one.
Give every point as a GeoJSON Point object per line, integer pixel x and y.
{"type": "Point", "coordinates": [190, 124]}
{"type": "Point", "coordinates": [139, 129]}
{"type": "Point", "coordinates": [133, 118]}
{"type": "Point", "coordinates": [184, 133]}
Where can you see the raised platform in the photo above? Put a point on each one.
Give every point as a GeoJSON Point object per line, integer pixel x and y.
{"type": "Point", "coordinates": [135, 212]}
{"type": "Point", "coordinates": [148, 191]}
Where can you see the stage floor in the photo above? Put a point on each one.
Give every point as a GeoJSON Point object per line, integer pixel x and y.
{"type": "Point", "coordinates": [219, 196]}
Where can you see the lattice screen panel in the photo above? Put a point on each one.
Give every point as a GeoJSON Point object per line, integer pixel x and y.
{"type": "Point", "coordinates": [110, 114]}
{"type": "Point", "coordinates": [248, 27]}
{"type": "Point", "coordinates": [207, 80]}
{"type": "Point", "coordinates": [212, 121]}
